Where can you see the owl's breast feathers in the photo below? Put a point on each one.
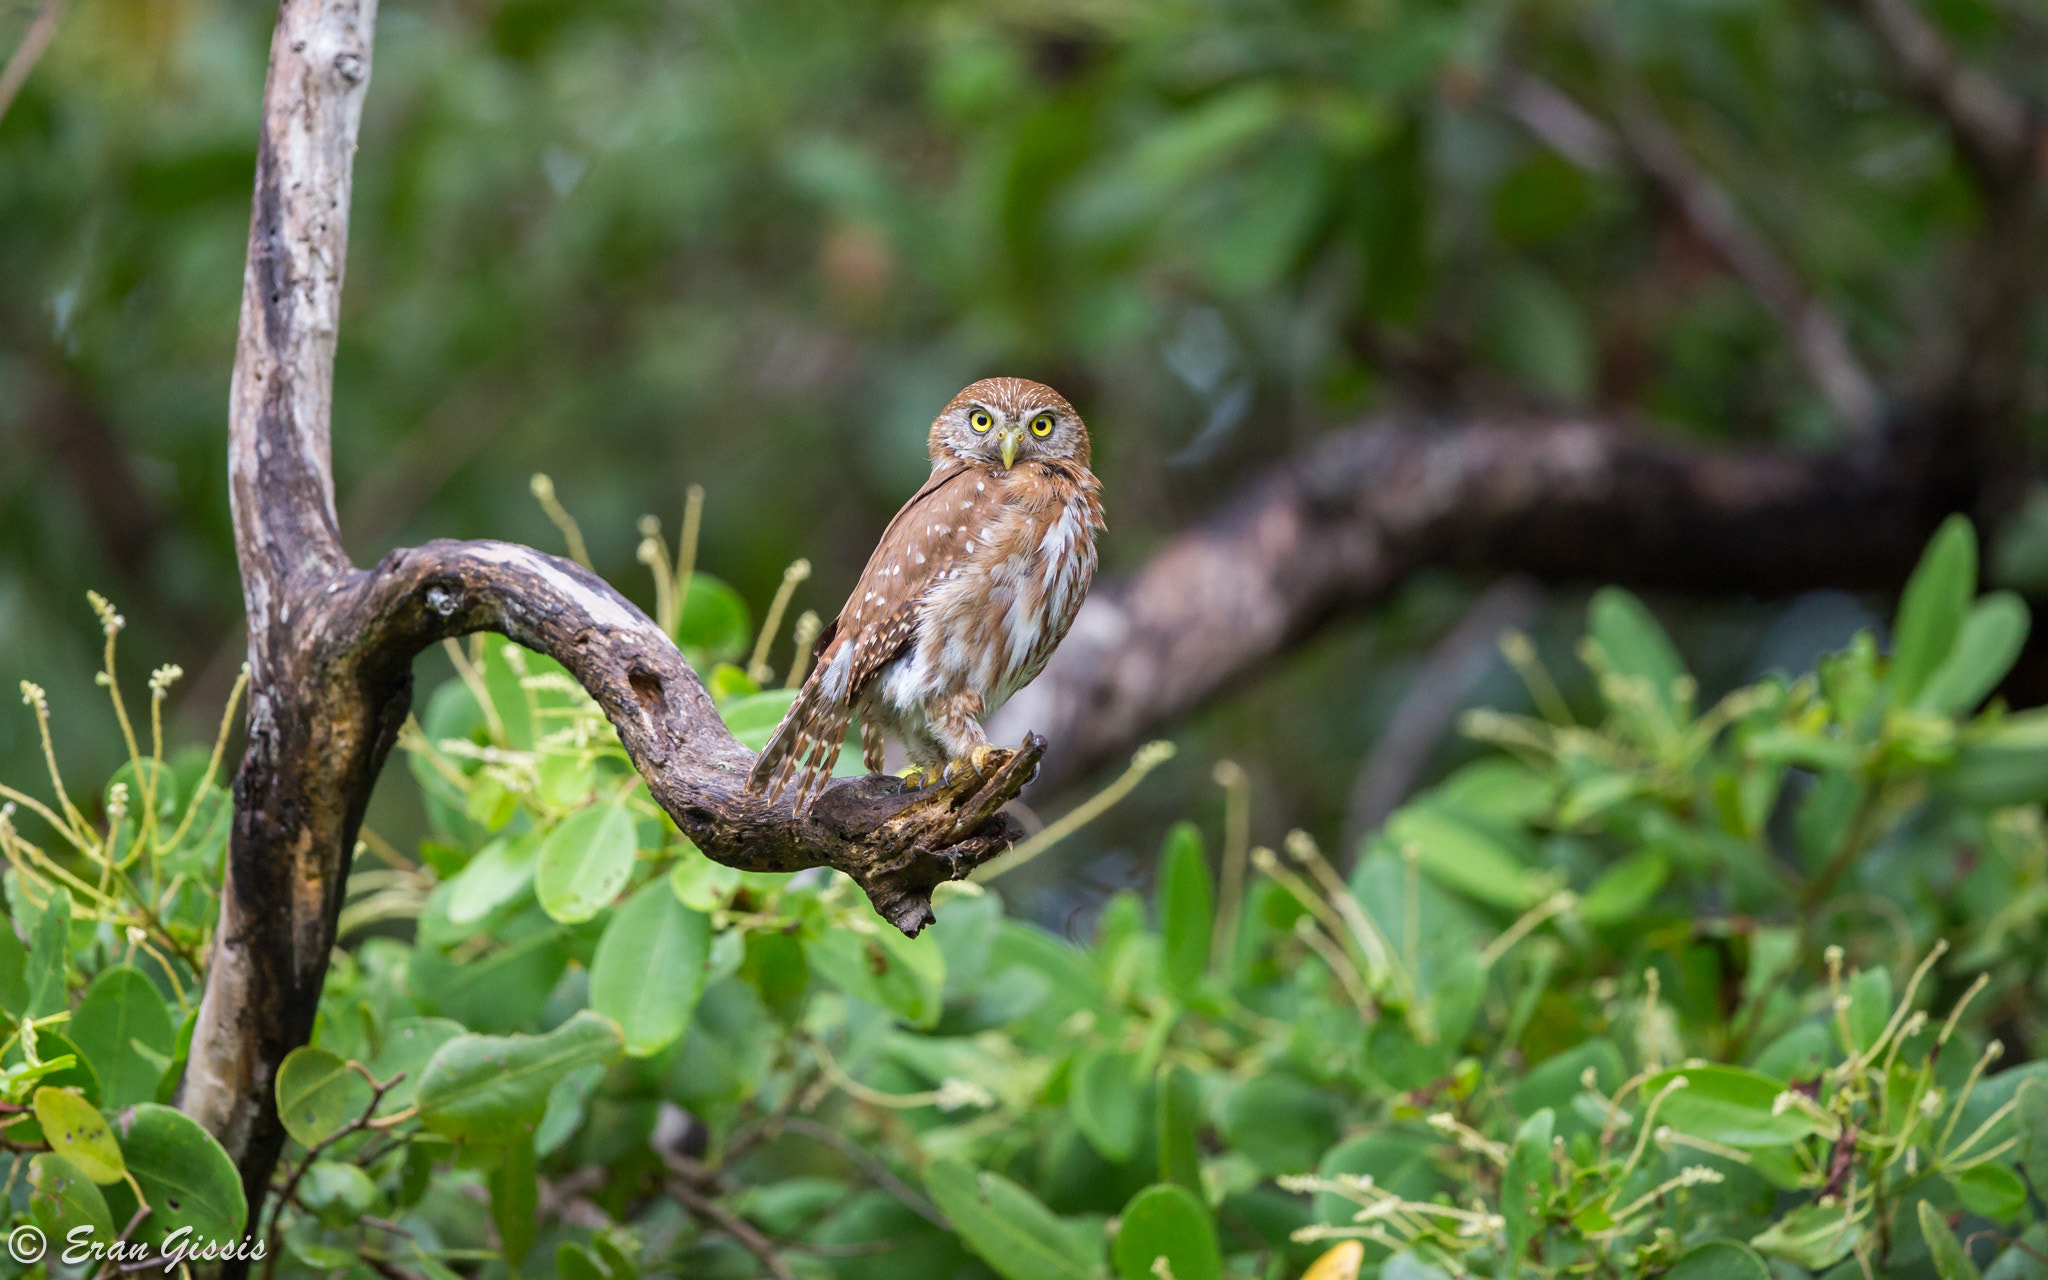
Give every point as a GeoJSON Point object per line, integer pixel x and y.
{"type": "Point", "coordinates": [1022, 556]}
{"type": "Point", "coordinates": [976, 579]}
{"type": "Point", "coordinates": [981, 573]}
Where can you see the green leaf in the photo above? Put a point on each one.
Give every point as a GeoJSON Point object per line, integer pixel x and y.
{"type": "Point", "coordinates": [1635, 645]}
{"type": "Point", "coordinates": [584, 862]}
{"type": "Point", "coordinates": [320, 1246]}
{"type": "Point", "coordinates": [122, 1010]}
{"type": "Point", "coordinates": [906, 976]}
{"type": "Point", "coordinates": [1525, 1183]}
{"type": "Point", "coordinates": [753, 718]}
{"type": "Point", "coordinates": [338, 1194]}
{"type": "Point", "coordinates": [1991, 1191]}
{"type": "Point", "coordinates": [1989, 1099]}
{"type": "Point", "coordinates": [1398, 1159]}
{"type": "Point", "coordinates": [2025, 1259]}
{"type": "Point", "coordinates": [1107, 1104]}
{"type": "Point", "coordinates": [61, 1197]}
{"type": "Point", "coordinates": [49, 957]}
{"type": "Point", "coordinates": [1180, 1126]}
{"type": "Point", "coordinates": [52, 1051]}
{"type": "Point", "coordinates": [317, 1094]}
{"type": "Point", "coordinates": [713, 621]}
{"type": "Point", "coordinates": [1167, 1222]}
{"type": "Point", "coordinates": [2030, 1118]}
{"type": "Point", "coordinates": [76, 1130]}
{"type": "Point", "coordinates": [493, 877]}
{"type": "Point", "coordinates": [727, 683]}
{"type": "Point", "coordinates": [701, 884]}
{"type": "Point", "coordinates": [1593, 1219]}
{"type": "Point", "coordinates": [575, 1263]}
{"type": "Point", "coordinates": [614, 1259]}
{"type": "Point", "coordinates": [1805, 750]}
{"type": "Point", "coordinates": [1625, 888]}
{"type": "Point", "coordinates": [649, 969]}
{"type": "Point", "coordinates": [775, 966]}
{"type": "Point", "coordinates": [1719, 1260]}
{"type": "Point", "coordinates": [1280, 1121]}
{"type": "Point", "coordinates": [1466, 859]}
{"type": "Point", "coordinates": [1554, 1082]}
{"type": "Point", "coordinates": [408, 1044]}
{"type": "Point", "coordinates": [186, 1176]}
{"type": "Point", "coordinates": [1931, 612]}
{"type": "Point", "coordinates": [1728, 1105]}
{"type": "Point", "coordinates": [566, 776]}
{"type": "Point", "coordinates": [1005, 1224]}
{"type": "Point", "coordinates": [1596, 795]}
{"type": "Point", "coordinates": [1989, 643]}
{"type": "Point", "coordinates": [1951, 1261]}
{"type": "Point", "coordinates": [1540, 200]}
{"type": "Point", "coordinates": [568, 1105]}
{"type": "Point", "coordinates": [494, 1088]}
{"type": "Point", "coordinates": [1800, 1054]}
{"type": "Point", "coordinates": [502, 989]}
{"type": "Point", "coordinates": [1537, 330]}
{"type": "Point", "coordinates": [1187, 908]}
{"type": "Point", "coordinates": [515, 1200]}
{"type": "Point", "coordinates": [1812, 1236]}
{"type": "Point", "coordinates": [13, 974]}
{"type": "Point", "coordinates": [1870, 1006]}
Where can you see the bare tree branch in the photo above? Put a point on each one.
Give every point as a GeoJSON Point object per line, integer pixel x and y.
{"type": "Point", "coordinates": [1993, 125]}
{"type": "Point", "coordinates": [1569, 500]}
{"type": "Point", "coordinates": [331, 646]}
{"type": "Point", "coordinates": [1813, 328]}
{"type": "Point", "coordinates": [1564, 126]}
{"type": "Point", "coordinates": [41, 30]}
{"type": "Point", "coordinates": [1999, 135]}
{"type": "Point", "coordinates": [715, 1215]}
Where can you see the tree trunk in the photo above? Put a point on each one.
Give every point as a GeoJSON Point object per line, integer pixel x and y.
{"type": "Point", "coordinates": [331, 647]}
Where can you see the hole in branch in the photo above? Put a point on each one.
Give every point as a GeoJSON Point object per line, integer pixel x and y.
{"type": "Point", "coordinates": [442, 600]}
{"type": "Point", "coordinates": [647, 687]}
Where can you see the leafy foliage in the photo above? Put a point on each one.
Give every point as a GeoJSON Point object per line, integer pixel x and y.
{"type": "Point", "coordinates": [755, 243]}
{"type": "Point", "coordinates": [1705, 992]}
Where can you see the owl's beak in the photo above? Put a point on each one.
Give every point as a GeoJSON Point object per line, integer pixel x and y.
{"type": "Point", "coordinates": [1012, 440]}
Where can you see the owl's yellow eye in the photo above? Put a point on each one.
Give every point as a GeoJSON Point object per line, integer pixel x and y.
{"type": "Point", "coordinates": [1041, 426]}
{"type": "Point", "coordinates": [980, 420]}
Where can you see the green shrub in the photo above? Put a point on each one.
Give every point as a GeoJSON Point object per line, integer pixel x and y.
{"type": "Point", "coordinates": [1701, 992]}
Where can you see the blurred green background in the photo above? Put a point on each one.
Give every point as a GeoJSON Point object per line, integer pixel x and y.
{"type": "Point", "coordinates": [755, 245]}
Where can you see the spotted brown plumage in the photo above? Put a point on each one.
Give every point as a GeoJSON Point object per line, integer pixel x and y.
{"type": "Point", "coordinates": [972, 586]}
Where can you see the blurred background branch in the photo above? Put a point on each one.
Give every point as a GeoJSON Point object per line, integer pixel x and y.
{"type": "Point", "coordinates": [1561, 500]}
{"type": "Point", "coordinates": [41, 30]}
{"type": "Point", "coordinates": [1812, 329]}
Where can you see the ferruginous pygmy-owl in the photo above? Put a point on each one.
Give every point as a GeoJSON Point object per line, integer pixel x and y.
{"type": "Point", "coordinates": [975, 582]}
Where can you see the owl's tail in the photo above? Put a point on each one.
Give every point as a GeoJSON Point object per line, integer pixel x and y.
{"type": "Point", "coordinates": [805, 745]}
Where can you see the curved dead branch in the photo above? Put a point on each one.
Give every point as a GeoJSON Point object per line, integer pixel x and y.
{"type": "Point", "coordinates": [331, 646]}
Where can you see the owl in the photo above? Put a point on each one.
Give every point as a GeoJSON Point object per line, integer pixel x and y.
{"type": "Point", "coordinates": [974, 584]}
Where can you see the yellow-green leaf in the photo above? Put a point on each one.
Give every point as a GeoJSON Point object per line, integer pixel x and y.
{"type": "Point", "coordinates": [77, 1131]}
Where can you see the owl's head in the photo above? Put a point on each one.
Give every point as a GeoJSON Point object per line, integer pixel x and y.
{"type": "Point", "coordinates": [1005, 421]}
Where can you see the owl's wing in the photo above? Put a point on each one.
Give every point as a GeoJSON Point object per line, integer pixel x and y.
{"type": "Point", "coordinates": [923, 541]}
{"type": "Point", "coordinates": [879, 621]}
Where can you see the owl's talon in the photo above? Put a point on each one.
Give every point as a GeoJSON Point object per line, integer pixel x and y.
{"type": "Point", "coordinates": [986, 759]}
